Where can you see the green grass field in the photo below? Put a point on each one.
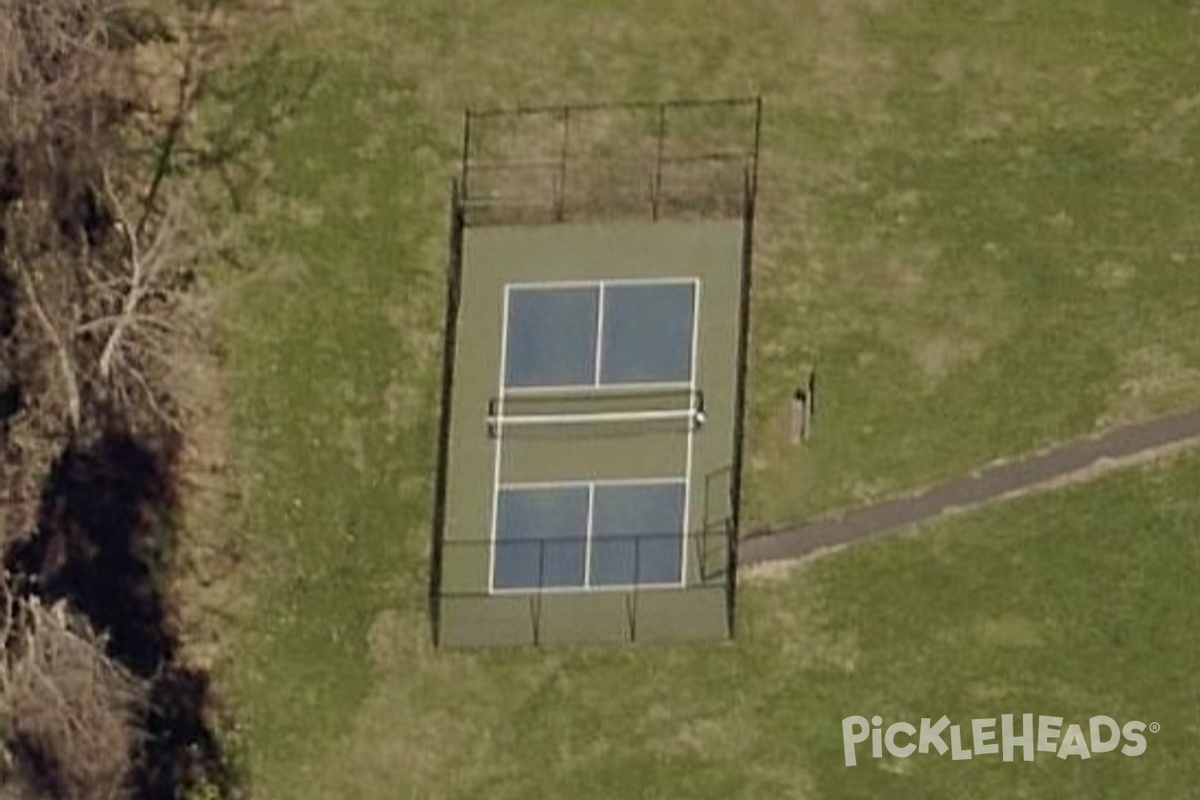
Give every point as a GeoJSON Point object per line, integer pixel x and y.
{"type": "Point", "coordinates": [977, 220]}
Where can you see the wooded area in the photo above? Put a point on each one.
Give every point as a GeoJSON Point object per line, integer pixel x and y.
{"type": "Point", "coordinates": [119, 147]}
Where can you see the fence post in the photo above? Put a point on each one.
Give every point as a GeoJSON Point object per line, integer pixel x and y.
{"type": "Point", "coordinates": [656, 191]}
{"type": "Point", "coordinates": [537, 599]}
{"type": "Point", "coordinates": [803, 404]}
{"type": "Point", "coordinates": [535, 618]}
{"type": "Point", "coordinates": [637, 577]}
{"type": "Point", "coordinates": [464, 177]}
{"type": "Point", "coordinates": [757, 140]}
{"type": "Point", "coordinates": [731, 557]}
{"type": "Point", "coordinates": [560, 202]}
{"type": "Point", "coordinates": [798, 430]}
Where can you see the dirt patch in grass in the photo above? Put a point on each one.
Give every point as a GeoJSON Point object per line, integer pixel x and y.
{"type": "Point", "coordinates": [813, 643]}
{"type": "Point", "coordinates": [1166, 135]}
{"type": "Point", "coordinates": [1010, 630]}
{"type": "Point", "coordinates": [938, 356]}
{"type": "Point", "coordinates": [1149, 375]}
{"type": "Point", "coordinates": [1113, 274]}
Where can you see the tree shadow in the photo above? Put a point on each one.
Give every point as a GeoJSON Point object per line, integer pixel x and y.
{"type": "Point", "coordinates": [107, 525]}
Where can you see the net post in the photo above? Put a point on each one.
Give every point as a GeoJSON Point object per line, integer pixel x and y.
{"type": "Point", "coordinates": [493, 418]}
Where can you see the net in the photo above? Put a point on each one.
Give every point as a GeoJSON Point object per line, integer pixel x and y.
{"type": "Point", "coordinates": [613, 414]}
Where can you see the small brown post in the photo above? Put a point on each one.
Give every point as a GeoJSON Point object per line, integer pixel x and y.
{"type": "Point", "coordinates": [803, 404]}
{"type": "Point", "coordinates": [812, 396]}
{"type": "Point", "coordinates": [798, 429]}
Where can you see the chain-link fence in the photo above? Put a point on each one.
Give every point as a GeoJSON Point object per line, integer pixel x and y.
{"type": "Point", "coordinates": [530, 578]}
{"type": "Point", "coordinates": [681, 159]}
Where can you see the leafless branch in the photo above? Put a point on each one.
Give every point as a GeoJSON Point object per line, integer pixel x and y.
{"type": "Point", "coordinates": [137, 278]}
{"type": "Point", "coordinates": [65, 699]}
{"type": "Point", "coordinates": [65, 362]}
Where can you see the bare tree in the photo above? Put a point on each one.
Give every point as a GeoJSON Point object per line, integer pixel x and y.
{"type": "Point", "coordinates": [117, 136]}
{"type": "Point", "coordinates": [71, 712]}
{"type": "Point", "coordinates": [109, 214]}
{"type": "Point", "coordinates": [114, 137]}
{"type": "Point", "coordinates": [55, 79]}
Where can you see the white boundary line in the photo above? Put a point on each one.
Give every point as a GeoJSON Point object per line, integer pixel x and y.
{"type": "Point", "coordinates": [585, 282]}
{"type": "Point", "coordinates": [535, 485]}
{"type": "Point", "coordinates": [499, 440]}
{"type": "Point", "coordinates": [607, 587]}
{"type": "Point", "coordinates": [587, 538]}
{"type": "Point", "coordinates": [691, 435]}
{"type": "Point", "coordinates": [599, 352]}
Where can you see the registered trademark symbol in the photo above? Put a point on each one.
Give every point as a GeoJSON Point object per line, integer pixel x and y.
{"type": "Point", "coordinates": [1155, 727]}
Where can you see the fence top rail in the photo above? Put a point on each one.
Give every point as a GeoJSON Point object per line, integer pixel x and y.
{"type": "Point", "coordinates": [587, 155]}
{"type": "Point", "coordinates": [608, 538]}
{"type": "Point", "coordinates": [556, 163]}
{"type": "Point", "coordinates": [636, 105]}
{"type": "Point", "coordinates": [536, 595]}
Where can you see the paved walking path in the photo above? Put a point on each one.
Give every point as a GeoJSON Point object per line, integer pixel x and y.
{"type": "Point", "coordinates": [973, 490]}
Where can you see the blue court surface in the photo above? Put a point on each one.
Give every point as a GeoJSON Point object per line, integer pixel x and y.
{"type": "Point", "coordinates": [599, 334]}
{"type": "Point", "coordinates": [589, 535]}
